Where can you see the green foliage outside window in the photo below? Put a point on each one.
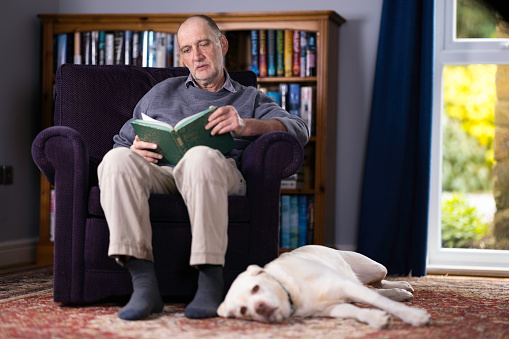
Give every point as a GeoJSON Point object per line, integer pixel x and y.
{"type": "Point", "coordinates": [461, 224]}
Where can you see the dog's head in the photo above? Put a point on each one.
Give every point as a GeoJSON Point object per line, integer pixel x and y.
{"type": "Point", "coordinates": [256, 295]}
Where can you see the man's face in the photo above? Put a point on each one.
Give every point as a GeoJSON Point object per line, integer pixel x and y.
{"type": "Point", "coordinates": [202, 52]}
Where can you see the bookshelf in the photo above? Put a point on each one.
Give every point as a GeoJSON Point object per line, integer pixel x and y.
{"type": "Point", "coordinates": [322, 146]}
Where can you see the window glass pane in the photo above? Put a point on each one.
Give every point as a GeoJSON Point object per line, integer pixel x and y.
{"type": "Point", "coordinates": [468, 204]}
{"type": "Point", "coordinates": [475, 20]}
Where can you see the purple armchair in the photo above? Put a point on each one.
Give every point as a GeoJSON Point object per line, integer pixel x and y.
{"type": "Point", "coordinates": [92, 104]}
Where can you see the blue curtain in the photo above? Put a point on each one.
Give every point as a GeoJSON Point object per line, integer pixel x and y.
{"type": "Point", "coordinates": [395, 193]}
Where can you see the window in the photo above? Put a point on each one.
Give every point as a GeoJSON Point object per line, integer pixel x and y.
{"type": "Point", "coordinates": [470, 60]}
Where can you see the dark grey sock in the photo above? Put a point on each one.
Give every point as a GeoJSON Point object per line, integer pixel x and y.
{"type": "Point", "coordinates": [209, 294]}
{"type": "Point", "coordinates": [146, 298]}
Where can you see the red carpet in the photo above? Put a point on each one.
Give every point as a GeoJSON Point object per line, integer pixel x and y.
{"type": "Point", "coordinates": [460, 308]}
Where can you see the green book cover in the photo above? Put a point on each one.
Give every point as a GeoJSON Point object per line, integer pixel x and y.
{"type": "Point", "coordinates": [174, 142]}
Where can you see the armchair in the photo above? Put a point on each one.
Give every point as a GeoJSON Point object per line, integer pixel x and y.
{"type": "Point", "coordinates": [92, 104]}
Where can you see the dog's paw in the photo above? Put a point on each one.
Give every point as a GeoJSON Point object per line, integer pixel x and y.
{"type": "Point", "coordinates": [417, 317]}
{"type": "Point", "coordinates": [378, 319]}
{"type": "Point", "coordinates": [397, 294]}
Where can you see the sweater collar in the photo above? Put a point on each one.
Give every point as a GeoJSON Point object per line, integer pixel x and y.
{"type": "Point", "coordinates": [228, 86]}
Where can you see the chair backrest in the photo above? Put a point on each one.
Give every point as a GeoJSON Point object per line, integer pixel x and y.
{"type": "Point", "coordinates": [96, 101]}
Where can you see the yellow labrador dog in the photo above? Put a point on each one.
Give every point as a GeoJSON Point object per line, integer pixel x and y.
{"type": "Point", "coordinates": [317, 281]}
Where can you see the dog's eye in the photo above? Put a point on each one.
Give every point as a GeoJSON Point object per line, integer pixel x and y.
{"type": "Point", "coordinates": [243, 310]}
{"type": "Point", "coordinates": [255, 289]}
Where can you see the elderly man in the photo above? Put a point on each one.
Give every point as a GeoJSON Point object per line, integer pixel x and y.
{"type": "Point", "coordinates": [204, 177]}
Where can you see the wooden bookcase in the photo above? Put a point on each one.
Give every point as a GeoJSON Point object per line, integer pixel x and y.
{"type": "Point", "coordinates": [324, 23]}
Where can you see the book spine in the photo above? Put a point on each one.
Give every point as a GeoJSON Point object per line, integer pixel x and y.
{"type": "Point", "coordinates": [271, 53]}
{"type": "Point", "coordinates": [296, 54]}
{"type": "Point", "coordinates": [294, 221]}
{"type": "Point", "coordinates": [311, 56]}
{"type": "Point", "coordinates": [303, 220]}
{"type": "Point", "coordinates": [284, 96]}
{"type": "Point", "coordinates": [136, 60]}
{"type": "Point", "coordinates": [152, 49]}
{"type": "Point", "coordinates": [285, 221]}
{"type": "Point", "coordinates": [61, 49]}
{"type": "Point", "coordinates": [160, 60]}
{"type": "Point", "coordinates": [169, 50]}
{"type": "Point", "coordinates": [311, 219]}
{"type": "Point", "coordinates": [94, 46]}
{"type": "Point", "coordinates": [110, 49]}
{"type": "Point", "coordinates": [102, 48]}
{"type": "Point", "coordinates": [144, 50]}
{"type": "Point", "coordinates": [255, 66]}
{"type": "Point", "coordinates": [303, 51]}
{"type": "Point", "coordinates": [280, 53]}
{"type": "Point", "coordinates": [294, 101]}
{"type": "Point", "coordinates": [77, 48]}
{"type": "Point", "coordinates": [119, 47]}
{"type": "Point", "coordinates": [288, 53]}
{"type": "Point", "coordinates": [128, 44]}
{"type": "Point", "coordinates": [86, 44]}
{"type": "Point", "coordinates": [307, 107]}
{"type": "Point", "coordinates": [262, 45]}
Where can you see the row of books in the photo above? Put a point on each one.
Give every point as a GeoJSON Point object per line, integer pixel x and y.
{"type": "Point", "coordinates": [297, 100]}
{"type": "Point", "coordinates": [288, 53]}
{"type": "Point", "coordinates": [297, 220]}
{"type": "Point", "coordinates": [146, 48]}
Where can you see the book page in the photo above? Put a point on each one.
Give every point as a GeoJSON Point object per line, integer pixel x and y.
{"type": "Point", "coordinates": [193, 117]}
{"type": "Point", "coordinates": [154, 121]}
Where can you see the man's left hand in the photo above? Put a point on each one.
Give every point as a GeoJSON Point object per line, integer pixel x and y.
{"type": "Point", "coordinates": [224, 120]}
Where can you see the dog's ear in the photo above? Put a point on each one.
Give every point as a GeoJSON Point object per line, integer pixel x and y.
{"type": "Point", "coordinates": [221, 311]}
{"type": "Point", "coordinates": [254, 270]}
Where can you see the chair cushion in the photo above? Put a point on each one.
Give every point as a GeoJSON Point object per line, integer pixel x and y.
{"type": "Point", "coordinates": [166, 207]}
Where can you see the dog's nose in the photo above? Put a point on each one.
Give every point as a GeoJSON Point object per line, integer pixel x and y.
{"type": "Point", "coordinates": [263, 309]}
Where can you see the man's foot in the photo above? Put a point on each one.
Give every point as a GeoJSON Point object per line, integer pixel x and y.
{"type": "Point", "coordinates": [209, 294]}
{"type": "Point", "coordinates": [146, 298]}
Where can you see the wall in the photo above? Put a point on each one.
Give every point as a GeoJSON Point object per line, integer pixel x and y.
{"type": "Point", "coordinates": [19, 95]}
{"type": "Point", "coordinates": [20, 99]}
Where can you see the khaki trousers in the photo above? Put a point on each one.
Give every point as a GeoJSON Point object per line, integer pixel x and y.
{"type": "Point", "coordinates": [204, 178]}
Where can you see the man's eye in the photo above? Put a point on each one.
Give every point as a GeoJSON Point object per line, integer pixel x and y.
{"type": "Point", "coordinates": [185, 50]}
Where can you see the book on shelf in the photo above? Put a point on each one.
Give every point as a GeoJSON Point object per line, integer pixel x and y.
{"type": "Point", "coordinates": [311, 55]}
{"type": "Point", "coordinates": [284, 96]}
{"type": "Point", "coordinates": [271, 53]}
{"type": "Point", "coordinates": [77, 48]}
{"type": "Point", "coordinates": [101, 46]}
{"type": "Point", "coordinates": [303, 52]}
{"type": "Point", "coordinates": [297, 220]}
{"type": "Point", "coordinates": [293, 182]}
{"type": "Point", "coordinates": [262, 52]}
{"type": "Point", "coordinates": [288, 53]}
{"type": "Point", "coordinates": [118, 43]}
{"type": "Point", "coordinates": [294, 99]}
{"type": "Point", "coordinates": [109, 48]}
{"type": "Point", "coordinates": [303, 220]}
{"type": "Point", "coordinates": [174, 142]}
{"type": "Point", "coordinates": [294, 221]}
{"type": "Point", "coordinates": [280, 53]}
{"type": "Point", "coordinates": [296, 54]}
{"type": "Point", "coordinates": [128, 45]}
{"type": "Point", "coordinates": [308, 107]}
{"type": "Point", "coordinates": [255, 50]}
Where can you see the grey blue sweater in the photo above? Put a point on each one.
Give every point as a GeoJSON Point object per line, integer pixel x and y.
{"type": "Point", "coordinates": [171, 101]}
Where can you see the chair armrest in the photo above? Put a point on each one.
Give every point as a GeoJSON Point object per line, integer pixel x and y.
{"type": "Point", "coordinates": [271, 157]}
{"type": "Point", "coordinates": [62, 156]}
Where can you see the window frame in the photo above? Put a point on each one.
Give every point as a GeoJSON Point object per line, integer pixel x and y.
{"type": "Point", "coordinates": [452, 51]}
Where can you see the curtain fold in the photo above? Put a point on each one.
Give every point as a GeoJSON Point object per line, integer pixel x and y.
{"type": "Point", "coordinates": [395, 193]}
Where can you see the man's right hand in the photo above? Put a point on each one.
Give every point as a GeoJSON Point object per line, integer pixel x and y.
{"type": "Point", "coordinates": [144, 149]}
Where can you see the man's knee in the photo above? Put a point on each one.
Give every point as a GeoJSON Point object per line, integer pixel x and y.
{"type": "Point", "coordinates": [201, 162]}
{"type": "Point", "coordinates": [115, 160]}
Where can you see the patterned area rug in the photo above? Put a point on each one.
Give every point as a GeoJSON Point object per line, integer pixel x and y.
{"type": "Point", "coordinates": [460, 308]}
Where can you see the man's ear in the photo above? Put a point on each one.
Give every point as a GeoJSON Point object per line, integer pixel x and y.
{"type": "Point", "coordinates": [224, 44]}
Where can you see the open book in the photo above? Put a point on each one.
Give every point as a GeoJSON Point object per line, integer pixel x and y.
{"type": "Point", "coordinates": [174, 142]}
